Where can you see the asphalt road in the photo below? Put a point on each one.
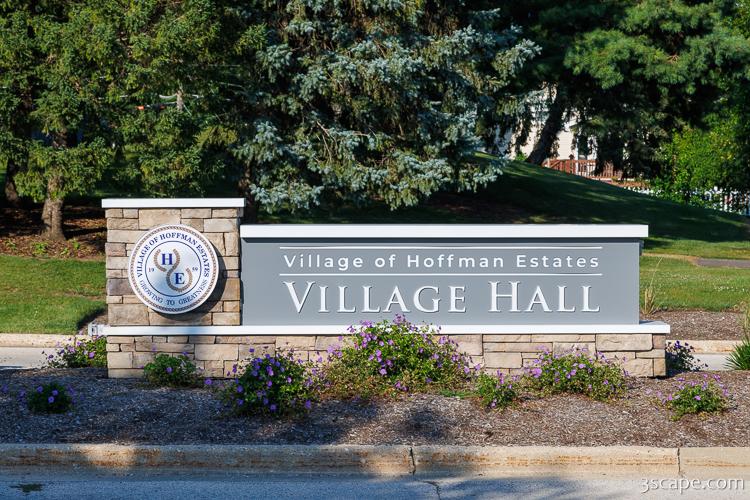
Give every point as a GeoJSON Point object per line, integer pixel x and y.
{"type": "Point", "coordinates": [163, 486]}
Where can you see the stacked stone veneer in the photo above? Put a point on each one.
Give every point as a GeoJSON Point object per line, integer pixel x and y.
{"type": "Point", "coordinates": [644, 353]}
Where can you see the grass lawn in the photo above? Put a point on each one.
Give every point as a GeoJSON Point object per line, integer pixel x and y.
{"type": "Point", "coordinates": [531, 194]}
{"type": "Point", "coordinates": [49, 295]}
{"type": "Point", "coordinates": [682, 285]}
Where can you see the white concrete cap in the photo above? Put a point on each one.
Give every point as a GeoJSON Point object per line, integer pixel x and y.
{"type": "Point", "coordinates": [452, 231]}
{"type": "Point", "coordinates": [173, 203]}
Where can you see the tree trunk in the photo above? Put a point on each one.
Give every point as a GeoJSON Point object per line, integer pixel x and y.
{"type": "Point", "coordinates": [52, 212]}
{"type": "Point", "coordinates": [11, 193]}
{"type": "Point", "coordinates": [548, 135]}
{"type": "Point", "coordinates": [251, 204]}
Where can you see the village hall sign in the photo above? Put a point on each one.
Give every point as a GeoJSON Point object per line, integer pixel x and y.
{"type": "Point", "coordinates": [445, 275]}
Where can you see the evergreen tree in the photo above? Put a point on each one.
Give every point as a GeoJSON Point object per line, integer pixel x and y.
{"type": "Point", "coordinates": [56, 59]}
{"type": "Point", "coordinates": [662, 68]}
{"type": "Point", "coordinates": [629, 72]}
{"type": "Point", "coordinates": [181, 99]}
{"type": "Point", "coordinates": [374, 100]}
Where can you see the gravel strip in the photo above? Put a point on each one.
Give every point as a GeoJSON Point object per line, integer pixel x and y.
{"type": "Point", "coordinates": [702, 325]}
{"type": "Point", "coordinates": [126, 411]}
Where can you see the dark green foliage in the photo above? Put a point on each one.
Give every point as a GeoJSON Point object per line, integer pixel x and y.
{"type": "Point", "coordinates": [659, 67]}
{"type": "Point", "coordinates": [392, 357]}
{"type": "Point", "coordinates": [680, 358]}
{"type": "Point", "coordinates": [49, 398]}
{"type": "Point", "coordinates": [376, 100]}
{"type": "Point", "coordinates": [56, 79]}
{"type": "Point", "coordinates": [81, 354]}
{"type": "Point", "coordinates": [274, 385]}
{"type": "Point", "coordinates": [630, 73]}
{"type": "Point", "coordinates": [171, 371]}
{"type": "Point", "coordinates": [739, 358]}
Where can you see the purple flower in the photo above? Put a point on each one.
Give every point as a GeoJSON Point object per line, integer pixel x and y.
{"type": "Point", "coordinates": [240, 389]}
{"type": "Point", "coordinates": [39, 389]}
{"type": "Point", "coordinates": [208, 381]}
{"type": "Point", "coordinates": [697, 398]}
{"type": "Point", "coordinates": [308, 404]}
{"type": "Point", "coordinates": [55, 393]}
{"type": "Point", "coordinates": [383, 371]}
{"type": "Point", "coordinates": [91, 355]}
{"type": "Point", "coordinates": [272, 407]}
{"type": "Point", "coordinates": [169, 369]}
{"type": "Point", "coordinates": [51, 399]}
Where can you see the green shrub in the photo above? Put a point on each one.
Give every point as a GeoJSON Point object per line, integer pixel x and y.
{"type": "Point", "coordinates": [274, 385]}
{"type": "Point", "coordinates": [680, 358]}
{"type": "Point", "coordinates": [739, 358]}
{"type": "Point", "coordinates": [496, 392]}
{"type": "Point", "coordinates": [80, 354]}
{"type": "Point", "coordinates": [578, 373]}
{"type": "Point", "coordinates": [708, 396]}
{"type": "Point", "coordinates": [392, 357]}
{"type": "Point", "coordinates": [172, 371]}
{"type": "Point", "coordinates": [49, 398]}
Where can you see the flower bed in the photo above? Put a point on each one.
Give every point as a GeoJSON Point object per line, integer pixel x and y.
{"type": "Point", "coordinates": [117, 410]}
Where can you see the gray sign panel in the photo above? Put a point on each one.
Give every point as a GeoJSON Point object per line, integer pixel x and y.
{"type": "Point", "coordinates": [339, 281]}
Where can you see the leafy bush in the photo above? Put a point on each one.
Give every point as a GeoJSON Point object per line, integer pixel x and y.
{"type": "Point", "coordinates": [392, 357]}
{"type": "Point", "coordinates": [80, 354]}
{"type": "Point", "coordinates": [680, 358]}
{"type": "Point", "coordinates": [49, 398]}
{"type": "Point", "coordinates": [578, 373]}
{"type": "Point", "coordinates": [172, 371]}
{"type": "Point", "coordinates": [739, 358]}
{"type": "Point", "coordinates": [496, 392]}
{"type": "Point", "coordinates": [275, 385]}
{"type": "Point", "coordinates": [707, 396]}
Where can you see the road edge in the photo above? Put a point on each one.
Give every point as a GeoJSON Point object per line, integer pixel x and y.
{"type": "Point", "coordinates": [385, 460]}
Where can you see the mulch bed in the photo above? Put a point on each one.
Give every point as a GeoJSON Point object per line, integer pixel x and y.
{"type": "Point", "coordinates": [127, 411]}
{"type": "Point", "coordinates": [702, 325]}
{"type": "Point", "coordinates": [85, 228]}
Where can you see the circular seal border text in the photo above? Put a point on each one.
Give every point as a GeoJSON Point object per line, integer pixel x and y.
{"type": "Point", "coordinates": [141, 275]}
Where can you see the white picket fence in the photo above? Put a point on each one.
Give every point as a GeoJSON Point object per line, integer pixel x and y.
{"type": "Point", "coordinates": [737, 202]}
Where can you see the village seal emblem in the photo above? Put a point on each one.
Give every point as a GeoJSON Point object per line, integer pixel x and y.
{"type": "Point", "coordinates": [173, 269]}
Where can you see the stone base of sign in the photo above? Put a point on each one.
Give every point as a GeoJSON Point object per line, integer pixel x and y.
{"type": "Point", "coordinates": [642, 354]}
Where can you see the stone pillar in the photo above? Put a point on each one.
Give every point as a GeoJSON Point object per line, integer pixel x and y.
{"type": "Point", "coordinates": [125, 225]}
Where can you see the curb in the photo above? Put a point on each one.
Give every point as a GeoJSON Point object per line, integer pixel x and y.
{"type": "Point", "coordinates": [389, 460]}
{"type": "Point", "coordinates": [35, 339]}
{"type": "Point", "coordinates": [709, 346]}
